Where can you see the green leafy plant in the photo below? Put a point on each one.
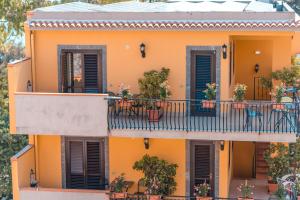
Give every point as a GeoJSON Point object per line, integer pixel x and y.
{"type": "Point", "coordinates": [245, 189]}
{"type": "Point", "coordinates": [201, 190]}
{"type": "Point", "coordinates": [288, 76]}
{"type": "Point", "coordinates": [266, 83]}
{"type": "Point", "coordinates": [154, 84]}
{"type": "Point", "coordinates": [278, 160]}
{"type": "Point", "coordinates": [211, 91]}
{"type": "Point", "coordinates": [159, 175]}
{"type": "Point", "coordinates": [239, 92]}
{"type": "Point", "coordinates": [124, 91]}
{"type": "Point", "coordinates": [280, 193]}
{"type": "Point", "coordinates": [278, 93]}
{"type": "Point", "coordinates": [119, 184]}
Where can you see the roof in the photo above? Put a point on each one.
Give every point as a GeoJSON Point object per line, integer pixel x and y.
{"type": "Point", "coordinates": [173, 14]}
{"type": "Point", "coordinates": [169, 6]}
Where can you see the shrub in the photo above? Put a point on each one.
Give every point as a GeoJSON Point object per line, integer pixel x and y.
{"type": "Point", "coordinates": [159, 175]}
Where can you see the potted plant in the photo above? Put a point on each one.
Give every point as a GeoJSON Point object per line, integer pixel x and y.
{"type": "Point", "coordinates": [297, 188]}
{"type": "Point", "coordinates": [159, 176]}
{"type": "Point", "coordinates": [239, 93]}
{"type": "Point", "coordinates": [125, 94]}
{"type": "Point", "coordinates": [164, 93]}
{"type": "Point", "coordinates": [246, 190]}
{"type": "Point", "coordinates": [154, 88]}
{"type": "Point", "coordinates": [210, 96]}
{"type": "Point", "coordinates": [202, 191]}
{"type": "Point", "coordinates": [278, 161]}
{"type": "Point", "coordinates": [277, 94]}
{"type": "Point", "coordinates": [118, 185]}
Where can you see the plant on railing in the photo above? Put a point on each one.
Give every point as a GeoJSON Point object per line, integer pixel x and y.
{"type": "Point", "coordinates": [124, 92]}
{"type": "Point", "coordinates": [288, 76]}
{"type": "Point", "coordinates": [154, 86]}
{"type": "Point", "coordinates": [159, 176]}
{"type": "Point", "coordinates": [201, 191]}
{"type": "Point", "coordinates": [278, 160]}
{"type": "Point", "coordinates": [118, 187]}
{"type": "Point", "coordinates": [210, 96]}
{"type": "Point", "coordinates": [277, 94]}
{"type": "Point", "coordinates": [246, 190]}
{"type": "Point", "coordinates": [239, 93]}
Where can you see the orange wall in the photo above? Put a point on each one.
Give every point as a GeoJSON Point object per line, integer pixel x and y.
{"type": "Point", "coordinates": [246, 59]}
{"type": "Point", "coordinates": [163, 49]}
{"type": "Point", "coordinates": [296, 43]}
{"type": "Point", "coordinates": [123, 152]}
{"type": "Point", "coordinates": [49, 161]}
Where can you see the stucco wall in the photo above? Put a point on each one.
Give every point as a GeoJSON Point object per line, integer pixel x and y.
{"type": "Point", "coordinates": [123, 152]}
{"type": "Point", "coordinates": [60, 194]}
{"type": "Point", "coordinates": [21, 164]}
{"type": "Point", "coordinates": [61, 114]}
{"type": "Point", "coordinates": [19, 73]}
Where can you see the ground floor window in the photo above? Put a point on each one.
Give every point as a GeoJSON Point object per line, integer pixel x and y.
{"type": "Point", "coordinates": [85, 167]}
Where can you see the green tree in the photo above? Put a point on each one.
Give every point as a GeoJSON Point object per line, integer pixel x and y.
{"type": "Point", "coordinates": [12, 17]}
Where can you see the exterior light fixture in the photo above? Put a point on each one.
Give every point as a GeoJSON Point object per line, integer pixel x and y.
{"type": "Point", "coordinates": [143, 50]}
{"type": "Point", "coordinates": [29, 86]}
{"type": "Point", "coordinates": [222, 145]}
{"type": "Point", "coordinates": [224, 51]}
{"type": "Point", "coordinates": [256, 68]}
{"type": "Point", "coordinates": [33, 182]}
{"type": "Point", "coordinates": [146, 143]}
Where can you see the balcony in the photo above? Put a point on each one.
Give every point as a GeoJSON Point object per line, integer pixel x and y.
{"type": "Point", "coordinates": [23, 163]}
{"type": "Point", "coordinates": [61, 114]}
{"type": "Point", "coordinates": [255, 120]}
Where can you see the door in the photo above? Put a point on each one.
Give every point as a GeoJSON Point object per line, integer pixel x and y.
{"type": "Point", "coordinates": [81, 71]}
{"type": "Point", "coordinates": [203, 70]}
{"type": "Point", "coordinates": [202, 165]}
{"type": "Point", "coordinates": [85, 163]}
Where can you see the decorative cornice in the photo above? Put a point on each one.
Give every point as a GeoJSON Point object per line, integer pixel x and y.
{"type": "Point", "coordinates": [166, 25]}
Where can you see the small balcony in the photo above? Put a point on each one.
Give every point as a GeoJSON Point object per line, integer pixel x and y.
{"type": "Point", "coordinates": [192, 117]}
{"type": "Point", "coordinates": [61, 114]}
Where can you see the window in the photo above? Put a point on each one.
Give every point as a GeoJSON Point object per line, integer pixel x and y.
{"type": "Point", "coordinates": [85, 168]}
{"type": "Point", "coordinates": [81, 71]}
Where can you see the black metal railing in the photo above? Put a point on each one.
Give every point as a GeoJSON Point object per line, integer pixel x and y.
{"type": "Point", "coordinates": [193, 115]}
{"type": "Point", "coordinates": [145, 197]}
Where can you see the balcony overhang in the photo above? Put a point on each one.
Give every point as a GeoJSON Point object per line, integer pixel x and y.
{"type": "Point", "coordinates": [61, 114]}
{"type": "Point", "coordinates": [198, 135]}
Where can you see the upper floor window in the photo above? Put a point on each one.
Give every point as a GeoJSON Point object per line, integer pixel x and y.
{"type": "Point", "coordinates": [81, 71]}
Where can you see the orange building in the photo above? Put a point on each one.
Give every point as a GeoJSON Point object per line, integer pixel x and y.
{"type": "Point", "coordinates": [80, 138]}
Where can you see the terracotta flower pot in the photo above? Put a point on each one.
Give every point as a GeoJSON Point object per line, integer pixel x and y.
{"type": "Point", "coordinates": [272, 187]}
{"type": "Point", "coordinates": [208, 104]}
{"type": "Point", "coordinates": [278, 106]}
{"type": "Point", "coordinates": [204, 198]}
{"type": "Point", "coordinates": [125, 104]}
{"type": "Point", "coordinates": [153, 197]}
{"type": "Point", "coordinates": [153, 115]}
{"type": "Point", "coordinates": [119, 195]}
{"type": "Point", "coordinates": [162, 104]}
{"type": "Point", "coordinates": [239, 105]}
{"type": "Point", "coordinates": [241, 198]}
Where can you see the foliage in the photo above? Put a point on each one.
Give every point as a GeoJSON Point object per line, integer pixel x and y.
{"type": "Point", "coordinates": [154, 84]}
{"type": "Point", "coordinates": [210, 92]}
{"type": "Point", "coordinates": [124, 91]}
{"type": "Point", "coordinates": [159, 175]}
{"type": "Point", "coordinates": [295, 154]}
{"type": "Point", "coordinates": [278, 93]}
{"type": "Point", "coordinates": [239, 92]}
{"type": "Point", "coordinates": [202, 190]}
{"type": "Point", "coordinates": [119, 183]}
{"type": "Point", "coordinates": [280, 193]}
{"type": "Point", "coordinates": [288, 76]}
{"type": "Point", "coordinates": [245, 189]}
{"type": "Point", "coordinates": [278, 160]}
{"type": "Point", "coordinates": [266, 83]}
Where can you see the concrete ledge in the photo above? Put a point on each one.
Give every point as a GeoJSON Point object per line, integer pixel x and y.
{"type": "Point", "coordinates": [233, 136]}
